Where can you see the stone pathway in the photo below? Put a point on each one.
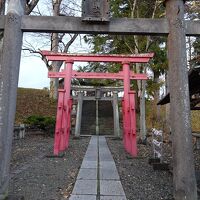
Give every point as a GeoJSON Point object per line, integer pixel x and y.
{"type": "Point", "coordinates": [98, 178]}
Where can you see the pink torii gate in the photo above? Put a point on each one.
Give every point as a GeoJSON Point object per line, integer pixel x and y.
{"type": "Point", "coordinates": [62, 130]}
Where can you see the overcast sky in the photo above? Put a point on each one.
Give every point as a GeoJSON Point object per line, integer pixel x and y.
{"type": "Point", "coordinates": [33, 73]}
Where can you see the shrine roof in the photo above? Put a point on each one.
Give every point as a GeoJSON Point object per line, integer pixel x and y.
{"type": "Point", "coordinates": [194, 88]}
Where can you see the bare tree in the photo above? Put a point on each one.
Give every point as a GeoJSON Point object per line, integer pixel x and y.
{"type": "Point", "coordinates": [56, 39]}
{"type": "Point", "coordinates": [57, 42]}
{"type": "Point", "coordinates": [30, 5]}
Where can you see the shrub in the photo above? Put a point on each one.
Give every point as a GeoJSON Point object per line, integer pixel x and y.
{"type": "Point", "coordinates": [43, 123]}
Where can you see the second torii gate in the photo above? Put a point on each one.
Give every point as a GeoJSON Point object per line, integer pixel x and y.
{"type": "Point", "coordinates": [62, 131]}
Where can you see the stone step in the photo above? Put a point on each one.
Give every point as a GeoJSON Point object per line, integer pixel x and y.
{"type": "Point", "coordinates": [88, 124]}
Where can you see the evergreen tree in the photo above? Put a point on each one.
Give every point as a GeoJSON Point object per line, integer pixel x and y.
{"type": "Point", "coordinates": [126, 44]}
{"type": "Point", "coordinates": [129, 44]}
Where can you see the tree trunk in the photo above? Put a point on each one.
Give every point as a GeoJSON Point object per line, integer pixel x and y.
{"type": "Point", "coordinates": [54, 83]}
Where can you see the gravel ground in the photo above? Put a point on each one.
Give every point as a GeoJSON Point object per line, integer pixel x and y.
{"type": "Point", "coordinates": [37, 177]}
{"type": "Point", "coordinates": [138, 178]}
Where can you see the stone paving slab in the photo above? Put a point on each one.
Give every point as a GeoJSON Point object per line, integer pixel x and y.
{"type": "Point", "coordinates": [107, 165]}
{"type": "Point", "coordinates": [92, 151]}
{"type": "Point", "coordinates": [93, 146]}
{"type": "Point", "coordinates": [105, 157]}
{"type": "Point", "coordinates": [102, 138]}
{"type": "Point", "coordinates": [94, 139]}
{"type": "Point", "coordinates": [85, 187]}
{"type": "Point", "coordinates": [105, 151]}
{"type": "Point", "coordinates": [90, 158]}
{"type": "Point", "coordinates": [108, 181]}
{"type": "Point", "coordinates": [108, 174]}
{"type": "Point", "coordinates": [103, 145]}
{"type": "Point", "coordinates": [89, 164]}
{"type": "Point", "coordinates": [87, 174]}
{"type": "Point", "coordinates": [113, 198]}
{"type": "Point", "coordinates": [83, 197]}
{"type": "Point", "coordinates": [111, 188]}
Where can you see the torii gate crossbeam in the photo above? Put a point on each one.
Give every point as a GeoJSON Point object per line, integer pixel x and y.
{"type": "Point", "coordinates": [93, 75]}
{"type": "Point", "coordinates": [133, 58]}
{"type": "Point", "coordinates": [62, 131]}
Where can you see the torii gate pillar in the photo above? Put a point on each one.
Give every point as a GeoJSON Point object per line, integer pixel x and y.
{"type": "Point", "coordinates": [129, 118]}
{"type": "Point", "coordinates": [183, 161]}
{"type": "Point", "coordinates": [9, 73]}
{"type": "Point", "coordinates": [62, 131]}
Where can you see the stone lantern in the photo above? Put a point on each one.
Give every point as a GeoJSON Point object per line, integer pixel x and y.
{"type": "Point", "coordinates": [95, 10]}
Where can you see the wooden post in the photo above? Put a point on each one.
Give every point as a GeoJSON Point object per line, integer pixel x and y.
{"type": "Point", "coordinates": [79, 114]}
{"type": "Point", "coordinates": [116, 114]}
{"type": "Point", "coordinates": [67, 104]}
{"type": "Point", "coordinates": [97, 117]}
{"type": "Point", "coordinates": [126, 109]}
{"type": "Point", "coordinates": [142, 112]}
{"type": "Point", "coordinates": [9, 73]}
{"type": "Point", "coordinates": [184, 181]}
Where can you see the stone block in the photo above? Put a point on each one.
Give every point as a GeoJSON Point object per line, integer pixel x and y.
{"type": "Point", "coordinates": [113, 198]}
{"type": "Point", "coordinates": [111, 188]}
{"type": "Point", "coordinates": [105, 157]}
{"type": "Point", "coordinates": [107, 164]}
{"type": "Point", "coordinates": [90, 157]}
{"type": "Point", "coordinates": [83, 197]}
{"type": "Point", "coordinates": [85, 187]}
{"type": "Point", "coordinates": [89, 164]}
{"type": "Point", "coordinates": [87, 174]}
{"type": "Point", "coordinates": [109, 174]}
{"type": "Point", "coordinates": [92, 149]}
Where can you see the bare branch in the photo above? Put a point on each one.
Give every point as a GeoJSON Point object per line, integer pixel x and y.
{"type": "Point", "coordinates": [70, 42]}
{"type": "Point", "coordinates": [30, 6]}
{"type": "Point", "coordinates": [42, 57]}
{"type": "Point", "coordinates": [129, 47]}
{"type": "Point", "coordinates": [66, 48]}
{"type": "Point", "coordinates": [153, 16]}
